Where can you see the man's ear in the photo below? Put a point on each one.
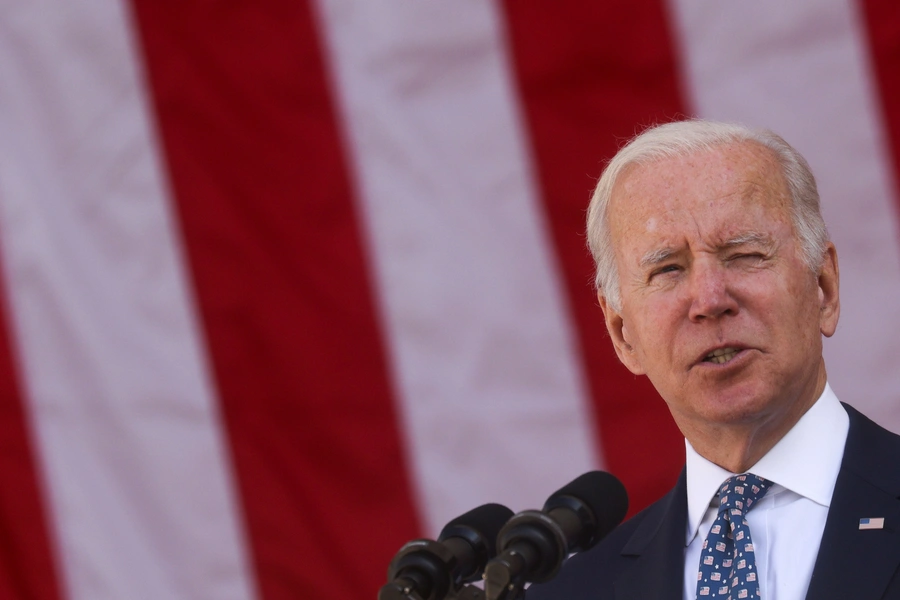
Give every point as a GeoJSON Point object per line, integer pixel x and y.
{"type": "Point", "coordinates": [618, 332]}
{"type": "Point", "coordinates": [829, 281]}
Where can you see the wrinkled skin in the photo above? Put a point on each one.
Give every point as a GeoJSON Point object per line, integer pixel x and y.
{"type": "Point", "coordinates": [708, 261]}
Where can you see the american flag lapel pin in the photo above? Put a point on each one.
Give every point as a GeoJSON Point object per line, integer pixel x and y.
{"type": "Point", "coordinates": [871, 523]}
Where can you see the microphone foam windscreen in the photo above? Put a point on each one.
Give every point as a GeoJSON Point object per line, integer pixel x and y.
{"type": "Point", "coordinates": [601, 493]}
{"type": "Point", "coordinates": [485, 520]}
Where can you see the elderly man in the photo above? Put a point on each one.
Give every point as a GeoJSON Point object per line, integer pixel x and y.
{"type": "Point", "coordinates": [717, 281]}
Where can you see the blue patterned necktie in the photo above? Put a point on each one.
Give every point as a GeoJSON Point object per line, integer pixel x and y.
{"type": "Point", "coordinates": [727, 564]}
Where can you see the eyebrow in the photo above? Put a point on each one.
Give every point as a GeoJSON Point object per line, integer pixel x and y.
{"type": "Point", "coordinates": [660, 255]}
{"type": "Point", "coordinates": [749, 237]}
{"type": "Point", "coordinates": [654, 257]}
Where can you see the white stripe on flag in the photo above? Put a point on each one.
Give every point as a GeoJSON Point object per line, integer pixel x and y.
{"type": "Point", "coordinates": [481, 345]}
{"type": "Point", "coordinates": [800, 69]}
{"type": "Point", "coordinates": [115, 379]}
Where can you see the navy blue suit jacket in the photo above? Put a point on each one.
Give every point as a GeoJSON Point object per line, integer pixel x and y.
{"type": "Point", "coordinates": [643, 558]}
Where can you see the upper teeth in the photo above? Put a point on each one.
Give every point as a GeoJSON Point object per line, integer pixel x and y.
{"type": "Point", "coordinates": [721, 355]}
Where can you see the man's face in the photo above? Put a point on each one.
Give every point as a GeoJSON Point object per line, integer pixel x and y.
{"type": "Point", "coordinates": [719, 309]}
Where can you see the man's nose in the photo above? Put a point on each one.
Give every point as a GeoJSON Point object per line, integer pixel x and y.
{"type": "Point", "coordinates": [711, 295]}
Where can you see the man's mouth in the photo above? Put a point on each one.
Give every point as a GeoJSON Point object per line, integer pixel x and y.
{"type": "Point", "coordinates": [722, 355]}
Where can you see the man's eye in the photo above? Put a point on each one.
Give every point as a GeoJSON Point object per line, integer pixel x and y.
{"type": "Point", "coordinates": [663, 270]}
{"type": "Point", "coordinates": [747, 256]}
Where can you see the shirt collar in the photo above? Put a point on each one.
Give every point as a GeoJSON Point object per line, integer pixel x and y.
{"type": "Point", "coordinates": [806, 461]}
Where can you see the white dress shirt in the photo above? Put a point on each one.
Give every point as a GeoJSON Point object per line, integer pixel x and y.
{"type": "Point", "coordinates": [787, 523]}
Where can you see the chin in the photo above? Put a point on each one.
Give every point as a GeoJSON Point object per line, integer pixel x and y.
{"type": "Point", "coordinates": [742, 404]}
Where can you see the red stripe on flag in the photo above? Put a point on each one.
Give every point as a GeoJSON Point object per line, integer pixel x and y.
{"type": "Point", "coordinates": [261, 183]}
{"type": "Point", "coordinates": [27, 564]}
{"type": "Point", "coordinates": [883, 24]}
{"type": "Point", "coordinates": [592, 76]}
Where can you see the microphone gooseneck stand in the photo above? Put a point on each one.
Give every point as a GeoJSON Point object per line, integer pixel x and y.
{"type": "Point", "coordinates": [507, 551]}
{"type": "Point", "coordinates": [533, 545]}
{"type": "Point", "coordinates": [443, 569]}
{"type": "Point", "coordinates": [420, 572]}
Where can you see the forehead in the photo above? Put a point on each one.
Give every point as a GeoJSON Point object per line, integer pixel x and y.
{"type": "Point", "coordinates": [715, 194]}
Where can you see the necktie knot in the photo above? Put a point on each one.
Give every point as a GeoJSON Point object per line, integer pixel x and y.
{"type": "Point", "coordinates": [739, 492]}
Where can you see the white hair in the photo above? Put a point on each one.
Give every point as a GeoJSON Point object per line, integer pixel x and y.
{"type": "Point", "coordinates": [681, 138]}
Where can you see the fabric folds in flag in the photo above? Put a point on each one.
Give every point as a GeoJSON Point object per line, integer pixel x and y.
{"type": "Point", "coordinates": [286, 284]}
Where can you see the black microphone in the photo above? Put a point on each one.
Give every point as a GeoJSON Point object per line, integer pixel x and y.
{"type": "Point", "coordinates": [429, 570]}
{"type": "Point", "coordinates": [533, 544]}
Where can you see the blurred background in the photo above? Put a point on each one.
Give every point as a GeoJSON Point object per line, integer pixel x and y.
{"type": "Point", "coordinates": [288, 283]}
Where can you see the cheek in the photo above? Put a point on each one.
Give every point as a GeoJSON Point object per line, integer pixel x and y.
{"type": "Point", "coordinates": [785, 312]}
{"type": "Point", "coordinates": [653, 330]}
{"type": "Point", "coordinates": [796, 299]}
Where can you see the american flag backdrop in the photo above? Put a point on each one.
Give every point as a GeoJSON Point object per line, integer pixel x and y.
{"type": "Point", "coordinates": [287, 283]}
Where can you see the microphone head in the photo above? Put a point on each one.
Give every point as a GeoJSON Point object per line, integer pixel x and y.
{"type": "Point", "coordinates": [599, 499]}
{"type": "Point", "coordinates": [479, 527]}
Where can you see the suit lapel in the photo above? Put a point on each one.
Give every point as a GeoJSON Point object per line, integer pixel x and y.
{"type": "Point", "coordinates": [854, 563]}
{"type": "Point", "coordinates": [657, 550]}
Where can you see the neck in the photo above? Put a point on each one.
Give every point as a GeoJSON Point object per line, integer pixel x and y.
{"type": "Point", "coordinates": [737, 452]}
{"type": "Point", "coordinates": [736, 447]}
